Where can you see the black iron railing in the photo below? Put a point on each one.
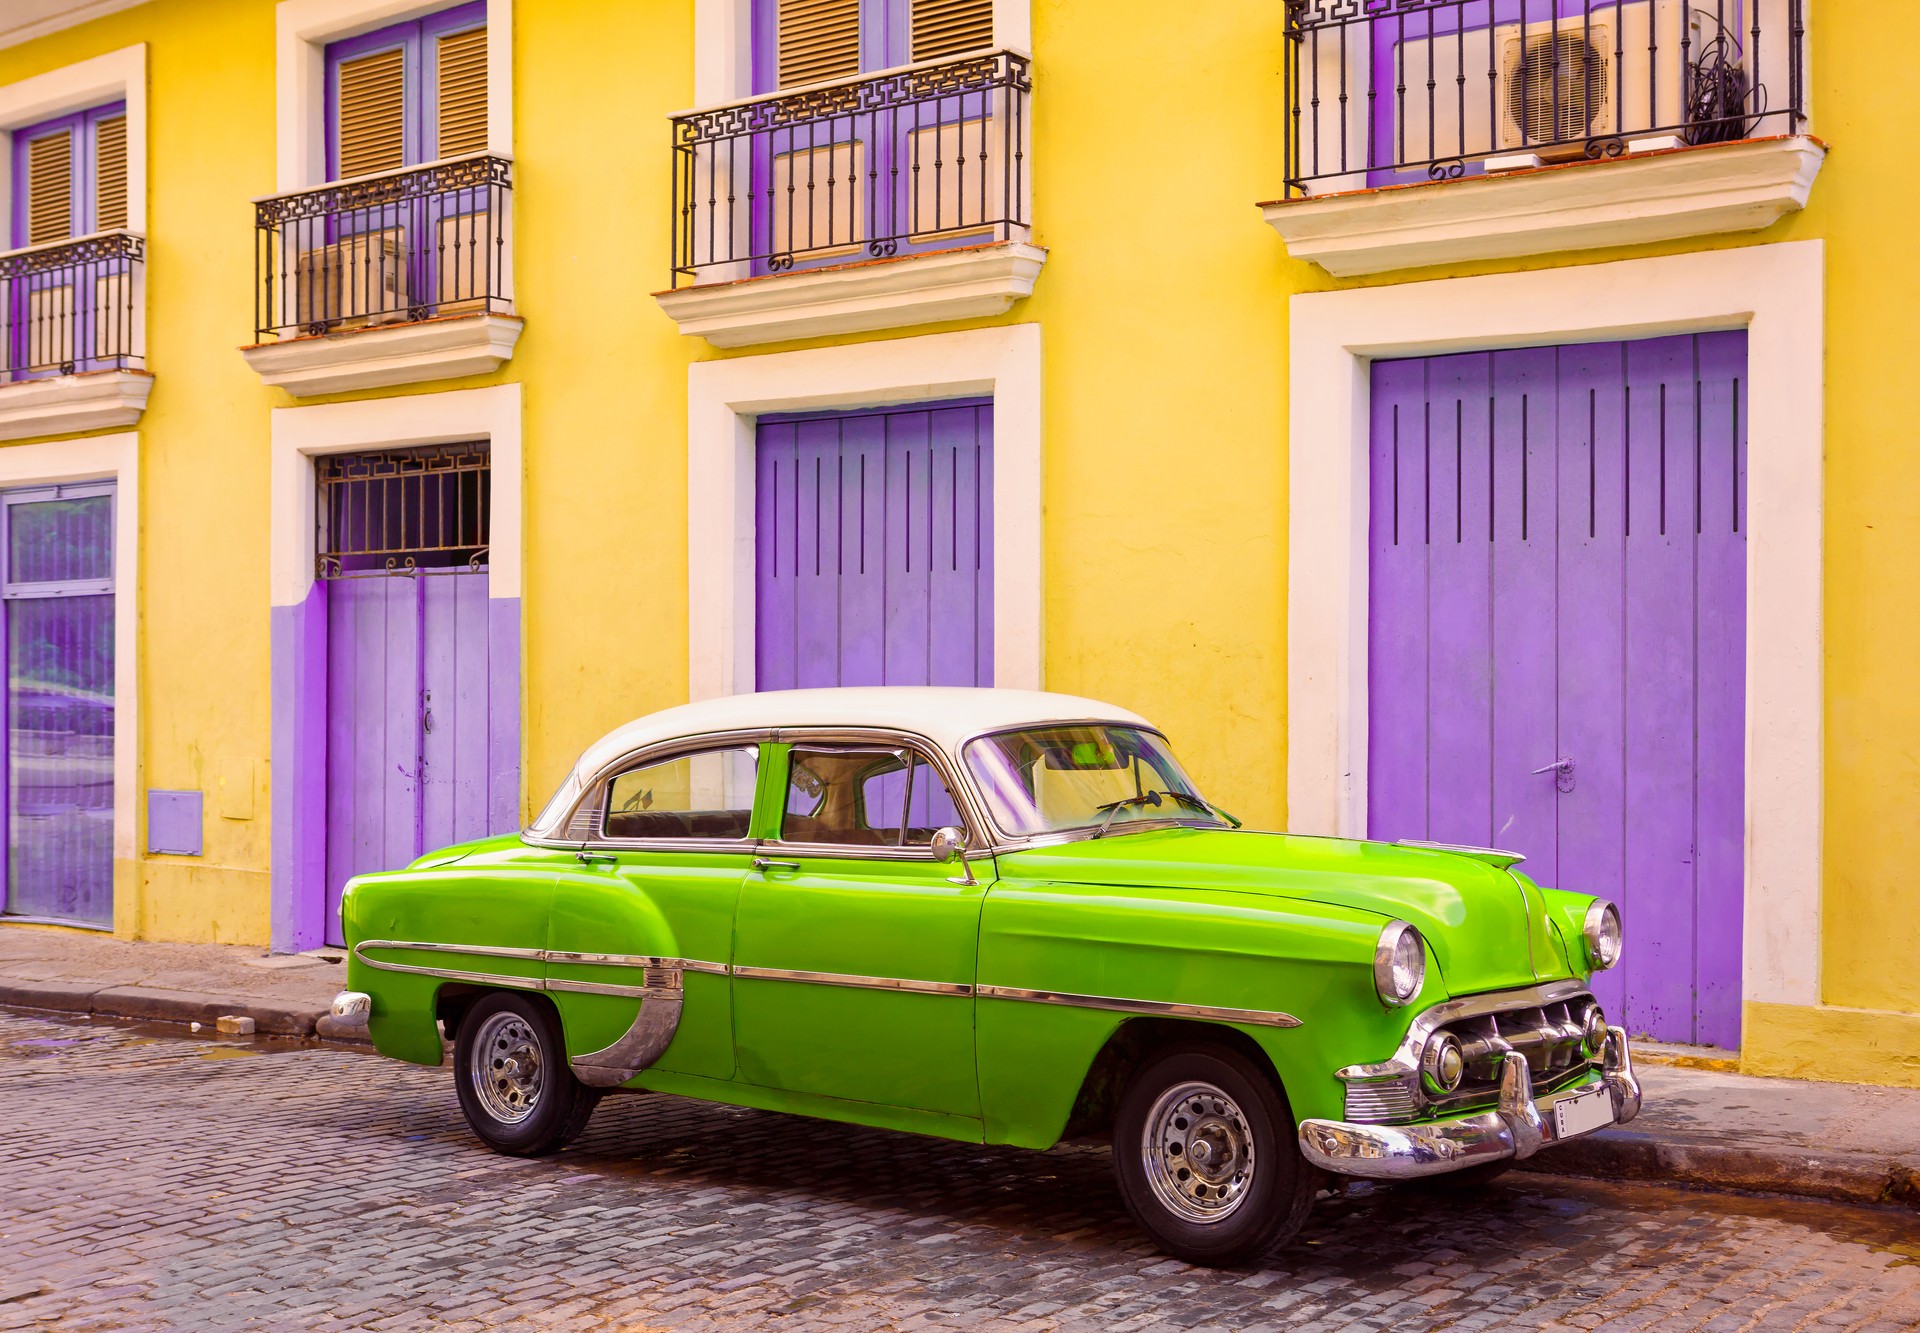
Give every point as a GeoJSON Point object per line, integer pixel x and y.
{"type": "Point", "coordinates": [1383, 92]}
{"type": "Point", "coordinates": [922, 158]}
{"type": "Point", "coordinates": [404, 245]}
{"type": "Point", "coordinates": [71, 306]}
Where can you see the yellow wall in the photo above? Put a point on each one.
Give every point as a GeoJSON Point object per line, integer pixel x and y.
{"type": "Point", "coordinates": [1164, 315]}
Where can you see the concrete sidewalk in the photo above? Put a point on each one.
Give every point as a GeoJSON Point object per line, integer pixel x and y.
{"type": "Point", "coordinates": [1699, 1126]}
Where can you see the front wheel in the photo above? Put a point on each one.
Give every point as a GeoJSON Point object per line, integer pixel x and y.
{"type": "Point", "coordinates": [1204, 1150]}
{"type": "Point", "coordinates": [510, 1068]}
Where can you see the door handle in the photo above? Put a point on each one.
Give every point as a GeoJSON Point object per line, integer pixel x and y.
{"type": "Point", "coordinates": [1562, 770]}
{"type": "Point", "coordinates": [762, 864]}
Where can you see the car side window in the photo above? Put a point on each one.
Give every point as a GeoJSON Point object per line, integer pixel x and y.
{"type": "Point", "coordinates": [704, 794]}
{"type": "Point", "coordinates": [864, 796]}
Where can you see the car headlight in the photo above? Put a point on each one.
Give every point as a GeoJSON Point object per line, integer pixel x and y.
{"type": "Point", "coordinates": [1399, 963]}
{"type": "Point", "coordinates": [1602, 933]}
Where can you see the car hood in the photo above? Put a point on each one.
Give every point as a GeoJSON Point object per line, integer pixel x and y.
{"type": "Point", "coordinates": [1486, 929]}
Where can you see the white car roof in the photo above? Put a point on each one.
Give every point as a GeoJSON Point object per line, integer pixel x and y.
{"type": "Point", "coordinates": [945, 715]}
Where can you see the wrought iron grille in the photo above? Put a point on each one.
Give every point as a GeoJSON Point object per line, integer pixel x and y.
{"type": "Point", "coordinates": [70, 306]}
{"type": "Point", "coordinates": [404, 511]}
{"type": "Point", "coordinates": [922, 158]}
{"type": "Point", "coordinates": [404, 245]}
{"type": "Point", "coordinates": [1385, 92]}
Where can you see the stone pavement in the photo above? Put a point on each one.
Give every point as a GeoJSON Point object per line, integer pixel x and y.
{"type": "Point", "coordinates": [1825, 1140]}
{"type": "Point", "coordinates": [162, 1182]}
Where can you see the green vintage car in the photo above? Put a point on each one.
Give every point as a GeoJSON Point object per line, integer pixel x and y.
{"type": "Point", "coordinates": [1003, 917]}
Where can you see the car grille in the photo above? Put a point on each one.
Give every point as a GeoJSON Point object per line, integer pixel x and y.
{"type": "Point", "coordinates": [1548, 1035]}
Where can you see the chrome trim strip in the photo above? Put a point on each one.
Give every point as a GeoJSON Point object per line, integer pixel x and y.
{"type": "Point", "coordinates": [909, 985]}
{"type": "Point", "coordinates": [1161, 1008]}
{"type": "Point", "coordinates": [954, 988]}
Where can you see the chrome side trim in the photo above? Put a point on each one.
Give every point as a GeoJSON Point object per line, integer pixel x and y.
{"type": "Point", "coordinates": [1157, 1008]}
{"type": "Point", "coordinates": [642, 1044]}
{"type": "Point", "coordinates": [669, 988]}
{"type": "Point", "coordinates": [954, 988]}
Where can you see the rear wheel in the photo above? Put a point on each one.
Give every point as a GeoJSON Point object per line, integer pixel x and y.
{"type": "Point", "coordinates": [510, 1068]}
{"type": "Point", "coordinates": [1204, 1151]}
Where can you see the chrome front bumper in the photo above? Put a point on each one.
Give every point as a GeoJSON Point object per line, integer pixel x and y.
{"type": "Point", "coordinates": [1517, 1127]}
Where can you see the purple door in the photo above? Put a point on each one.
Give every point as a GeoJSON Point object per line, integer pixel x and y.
{"type": "Point", "coordinates": [422, 689]}
{"type": "Point", "coordinates": [1557, 628]}
{"type": "Point", "coordinates": [874, 548]}
{"type": "Point", "coordinates": [56, 555]}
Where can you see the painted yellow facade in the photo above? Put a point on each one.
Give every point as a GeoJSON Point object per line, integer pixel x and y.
{"type": "Point", "coordinates": [1163, 308]}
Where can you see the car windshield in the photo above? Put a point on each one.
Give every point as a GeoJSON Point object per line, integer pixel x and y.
{"type": "Point", "coordinates": [1055, 779]}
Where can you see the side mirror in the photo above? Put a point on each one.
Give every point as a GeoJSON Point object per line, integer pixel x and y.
{"type": "Point", "coordinates": [947, 844]}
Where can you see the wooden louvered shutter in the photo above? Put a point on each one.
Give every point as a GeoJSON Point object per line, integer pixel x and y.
{"type": "Point", "coordinates": [110, 173]}
{"type": "Point", "coordinates": [462, 94]}
{"type": "Point", "coordinates": [50, 188]}
{"type": "Point", "coordinates": [951, 27]}
{"type": "Point", "coordinates": [372, 110]}
{"type": "Point", "coordinates": [819, 39]}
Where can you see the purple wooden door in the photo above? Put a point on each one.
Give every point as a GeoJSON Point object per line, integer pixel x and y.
{"type": "Point", "coordinates": [408, 720]}
{"type": "Point", "coordinates": [1558, 577]}
{"type": "Point", "coordinates": [57, 614]}
{"type": "Point", "coordinates": [874, 548]}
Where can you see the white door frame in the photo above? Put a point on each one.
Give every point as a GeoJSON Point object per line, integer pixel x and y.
{"type": "Point", "coordinates": [1776, 293]}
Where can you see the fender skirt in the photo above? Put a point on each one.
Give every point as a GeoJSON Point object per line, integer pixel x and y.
{"type": "Point", "coordinates": [652, 1031]}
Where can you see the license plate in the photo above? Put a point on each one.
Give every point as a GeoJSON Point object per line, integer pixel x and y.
{"type": "Point", "coordinates": [1583, 1114]}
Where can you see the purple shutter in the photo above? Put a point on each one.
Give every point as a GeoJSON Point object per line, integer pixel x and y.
{"type": "Point", "coordinates": [1558, 572]}
{"type": "Point", "coordinates": [874, 549]}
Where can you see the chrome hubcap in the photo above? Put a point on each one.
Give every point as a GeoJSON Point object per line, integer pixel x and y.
{"type": "Point", "coordinates": [505, 1068]}
{"type": "Point", "coordinates": [1198, 1152]}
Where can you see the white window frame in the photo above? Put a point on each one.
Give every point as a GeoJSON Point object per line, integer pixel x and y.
{"type": "Point", "coordinates": [724, 402]}
{"type": "Point", "coordinates": [1775, 292]}
{"type": "Point", "coordinates": [114, 458]}
{"type": "Point", "coordinates": [117, 76]}
{"type": "Point", "coordinates": [302, 30]}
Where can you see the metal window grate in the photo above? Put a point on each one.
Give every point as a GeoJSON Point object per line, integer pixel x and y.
{"type": "Point", "coordinates": [403, 511]}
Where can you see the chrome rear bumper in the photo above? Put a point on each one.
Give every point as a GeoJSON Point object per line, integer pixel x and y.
{"type": "Point", "coordinates": [1517, 1127]}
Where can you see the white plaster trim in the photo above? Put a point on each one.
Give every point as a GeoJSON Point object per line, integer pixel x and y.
{"type": "Point", "coordinates": [1655, 196]}
{"type": "Point", "coordinates": [723, 44]}
{"type": "Point", "coordinates": [114, 458]}
{"type": "Point", "coordinates": [856, 298]}
{"type": "Point", "coordinates": [1777, 292]}
{"type": "Point", "coordinates": [116, 76]}
{"type": "Point", "coordinates": [70, 15]}
{"type": "Point", "coordinates": [724, 399]}
{"type": "Point", "coordinates": [64, 403]}
{"type": "Point", "coordinates": [301, 433]}
{"type": "Point", "coordinates": [433, 349]}
{"type": "Point", "coordinates": [302, 29]}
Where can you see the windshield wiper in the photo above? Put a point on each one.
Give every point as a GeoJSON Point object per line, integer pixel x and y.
{"type": "Point", "coordinates": [1205, 807]}
{"type": "Point", "coordinates": [1113, 808]}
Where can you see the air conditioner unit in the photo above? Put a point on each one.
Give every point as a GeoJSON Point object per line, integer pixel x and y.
{"type": "Point", "coordinates": [352, 283]}
{"type": "Point", "coordinates": [1595, 76]}
{"type": "Point", "coordinates": [1546, 86]}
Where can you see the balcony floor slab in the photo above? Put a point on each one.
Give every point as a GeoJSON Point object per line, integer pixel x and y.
{"type": "Point", "coordinates": [374, 358]}
{"type": "Point", "coordinates": [858, 298]}
{"type": "Point", "coordinates": [62, 404]}
{"type": "Point", "coordinates": [1653, 196]}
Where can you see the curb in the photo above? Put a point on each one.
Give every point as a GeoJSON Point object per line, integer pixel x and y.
{"type": "Point", "coordinates": [1838, 1177]}
{"type": "Point", "coordinates": [154, 1004]}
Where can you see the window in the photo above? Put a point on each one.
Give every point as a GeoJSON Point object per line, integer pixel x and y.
{"type": "Point", "coordinates": [415, 92]}
{"type": "Point", "coordinates": [1048, 779]}
{"type": "Point", "coordinates": [866, 796]}
{"type": "Point", "coordinates": [706, 794]}
{"type": "Point", "coordinates": [70, 176]}
{"type": "Point", "coordinates": [812, 41]}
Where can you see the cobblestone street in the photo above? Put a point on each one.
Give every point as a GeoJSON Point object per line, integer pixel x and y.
{"type": "Point", "coordinates": [164, 1182]}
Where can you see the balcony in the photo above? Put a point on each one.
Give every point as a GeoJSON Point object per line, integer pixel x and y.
{"type": "Point", "coordinates": [392, 278]}
{"type": "Point", "coordinates": [878, 201]}
{"type": "Point", "coordinates": [72, 327]}
{"type": "Point", "coordinates": [1422, 132]}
